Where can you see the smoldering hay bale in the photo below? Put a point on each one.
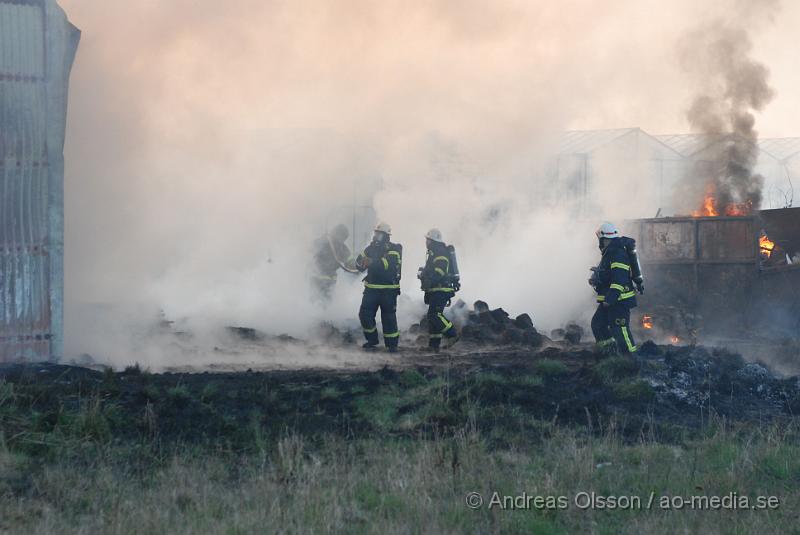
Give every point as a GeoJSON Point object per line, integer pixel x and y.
{"type": "Point", "coordinates": [485, 326]}
{"type": "Point", "coordinates": [573, 333]}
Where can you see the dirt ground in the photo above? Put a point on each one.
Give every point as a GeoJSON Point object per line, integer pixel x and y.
{"type": "Point", "coordinates": [663, 390]}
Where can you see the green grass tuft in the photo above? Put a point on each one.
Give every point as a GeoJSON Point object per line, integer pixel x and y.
{"type": "Point", "coordinates": [637, 390]}
{"type": "Point", "coordinates": [179, 394]}
{"type": "Point", "coordinates": [614, 369]}
{"type": "Point", "coordinates": [550, 367]}
{"type": "Point", "coordinates": [412, 378]}
{"type": "Point", "coordinates": [379, 410]}
{"type": "Point", "coordinates": [330, 393]}
{"type": "Point", "coordinates": [528, 380]}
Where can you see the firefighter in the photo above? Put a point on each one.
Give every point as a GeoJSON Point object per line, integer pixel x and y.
{"type": "Point", "coordinates": [439, 287]}
{"type": "Point", "coordinates": [616, 280]}
{"type": "Point", "coordinates": [330, 254]}
{"type": "Point", "coordinates": [382, 260]}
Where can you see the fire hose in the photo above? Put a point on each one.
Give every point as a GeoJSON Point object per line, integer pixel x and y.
{"type": "Point", "coordinates": [338, 261]}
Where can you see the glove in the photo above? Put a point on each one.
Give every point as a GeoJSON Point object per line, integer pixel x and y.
{"type": "Point", "coordinates": [594, 279]}
{"type": "Point", "coordinates": [639, 287]}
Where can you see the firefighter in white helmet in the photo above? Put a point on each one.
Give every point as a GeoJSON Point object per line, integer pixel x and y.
{"type": "Point", "coordinates": [382, 260]}
{"type": "Point", "coordinates": [616, 280]}
{"type": "Point", "coordinates": [440, 282]}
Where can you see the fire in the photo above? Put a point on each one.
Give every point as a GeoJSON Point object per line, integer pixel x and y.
{"type": "Point", "coordinates": [647, 321]}
{"type": "Point", "coordinates": [765, 245]}
{"type": "Point", "coordinates": [709, 208]}
{"type": "Point", "coordinates": [743, 208]}
{"type": "Point", "coordinates": [675, 339]}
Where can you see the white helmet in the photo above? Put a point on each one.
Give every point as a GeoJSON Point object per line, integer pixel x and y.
{"type": "Point", "coordinates": [383, 227]}
{"type": "Point", "coordinates": [435, 234]}
{"type": "Point", "coordinates": [607, 230]}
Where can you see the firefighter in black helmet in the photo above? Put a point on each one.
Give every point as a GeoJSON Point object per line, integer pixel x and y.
{"type": "Point", "coordinates": [330, 254]}
{"type": "Point", "coordinates": [439, 286]}
{"type": "Point", "coordinates": [382, 260]}
{"type": "Point", "coordinates": [616, 285]}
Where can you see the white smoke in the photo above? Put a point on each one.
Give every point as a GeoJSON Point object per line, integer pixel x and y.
{"type": "Point", "coordinates": [209, 144]}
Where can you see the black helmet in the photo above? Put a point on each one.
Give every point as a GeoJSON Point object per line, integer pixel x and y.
{"type": "Point", "coordinates": [339, 233]}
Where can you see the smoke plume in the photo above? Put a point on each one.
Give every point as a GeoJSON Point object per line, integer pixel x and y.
{"type": "Point", "coordinates": [730, 86]}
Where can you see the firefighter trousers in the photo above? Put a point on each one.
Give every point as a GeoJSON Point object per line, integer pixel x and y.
{"type": "Point", "coordinates": [613, 323]}
{"type": "Point", "coordinates": [386, 301]}
{"type": "Point", "coordinates": [322, 288]}
{"type": "Point", "coordinates": [438, 324]}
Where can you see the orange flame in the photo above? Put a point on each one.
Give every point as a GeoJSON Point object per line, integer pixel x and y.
{"type": "Point", "coordinates": [765, 245]}
{"type": "Point", "coordinates": [709, 208]}
{"type": "Point", "coordinates": [742, 208]}
{"type": "Point", "coordinates": [647, 321]}
{"type": "Point", "coordinates": [675, 339]}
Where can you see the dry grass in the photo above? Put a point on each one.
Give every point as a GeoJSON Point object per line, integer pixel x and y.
{"type": "Point", "coordinates": [334, 485]}
{"type": "Point", "coordinates": [404, 456]}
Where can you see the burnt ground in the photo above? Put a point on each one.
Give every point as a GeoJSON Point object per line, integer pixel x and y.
{"type": "Point", "coordinates": [665, 393]}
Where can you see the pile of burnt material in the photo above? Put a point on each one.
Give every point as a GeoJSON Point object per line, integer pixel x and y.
{"type": "Point", "coordinates": [329, 334]}
{"type": "Point", "coordinates": [484, 326]}
{"type": "Point", "coordinates": [701, 377]}
{"type": "Point", "coordinates": [572, 333]}
{"type": "Point", "coordinates": [249, 334]}
{"type": "Point", "coordinates": [245, 333]}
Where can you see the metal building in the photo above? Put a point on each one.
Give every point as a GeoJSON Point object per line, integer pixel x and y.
{"type": "Point", "coordinates": [703, 149]}
{"type": "Point", "coordinates": [784, 173]}
{"type": "Point", "coordinates": [37, 48]}
{"type": "Point", "coordinates": [614, 163]}
{"type": "Point", "coordinates": [651, 168]}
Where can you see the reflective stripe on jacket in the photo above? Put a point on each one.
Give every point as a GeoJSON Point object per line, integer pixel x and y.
{"type": "Point", "coordinates": [615, 276]}
{"type": "Point", "coordinates": [435, 274]}
{"type": "Point", "coordinates": [383, 272]}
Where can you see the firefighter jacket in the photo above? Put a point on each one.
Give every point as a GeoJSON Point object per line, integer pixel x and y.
{"type": "Point", "coordinates": [435, 275]}
{"type": "Point", "coordinates": [614, 284]}
{"type": "Point", "coordinates": [383, 268]}
{"type": "Point", "coordinates": [328, 253]}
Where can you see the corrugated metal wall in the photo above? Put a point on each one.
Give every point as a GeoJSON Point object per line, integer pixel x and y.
{"type": "Point", "coordinates": [37, 46]}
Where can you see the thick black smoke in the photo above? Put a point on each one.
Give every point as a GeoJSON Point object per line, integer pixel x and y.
{"type": "Point", "coordinates": [731, 85]}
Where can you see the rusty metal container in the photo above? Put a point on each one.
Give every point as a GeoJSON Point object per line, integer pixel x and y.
{"type": "Point", "coordinates": [706, 266]}
{"type": "Point", "coordinates": [775, 307]}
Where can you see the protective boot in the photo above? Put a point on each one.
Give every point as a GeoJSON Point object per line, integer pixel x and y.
{"type": "Point", "coordinates": [450, 341]}
{"type": "Point", "coordinates": [606, 348]}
